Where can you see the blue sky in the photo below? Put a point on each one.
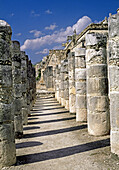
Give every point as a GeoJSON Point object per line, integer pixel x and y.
{"type": "Point", "coordinates": [40, 25]}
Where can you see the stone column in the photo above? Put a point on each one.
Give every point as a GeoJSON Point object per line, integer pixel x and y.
{"type": "Point", "coordinates": [24, 87]}
{"type": "Point", "coordinates": [54, 78]}
{"type": "Point", "coordinates": [28, 89]}
{"type": "Point", "coordinates": [7, 140]}
{"type": "Point", "coordinates": [59, 98]}
{"type": "Point", "coordinates": [56, 83]}
{"type": "Point", "coordinates": [113, 49]}
{"type": "Point", "coordinates": [17, 89]}
{"type": "Point", "coordinates": [49, 81]}
{"type": "Point", "coordinates": [72, 92]}
{"type": "Point", "coordinates": [57, 79]}
{"type": "Point", "coordinates": [97, 84]}
{"type": "Point", "coordinates": [34, 86]}
{"type": "Point", "coordinates": [80, 83]}
{"type": "Point", "coordinates": [62, 83]}
{"type": "Point", "coordinates": [66, 85]}
{"type": "Point", "coordinates": [30, 83]}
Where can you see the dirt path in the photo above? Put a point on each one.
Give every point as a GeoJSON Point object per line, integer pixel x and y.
{"type": "Point", "coordinates": [54, 141]}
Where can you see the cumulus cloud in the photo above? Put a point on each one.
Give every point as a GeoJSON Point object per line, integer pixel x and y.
{"type": "Point", "coordinates": [18, 34]}
{"type": "Point", "coordinates": [51, 27]}
{"type": "Point", "coordinates": [44, 51]}
{"type": "Point", "coordinates": [48, 12]}
{"type": "Point", "coordinates": [58, 37]}
{"type": "Point", "coordinates": [36, 33]}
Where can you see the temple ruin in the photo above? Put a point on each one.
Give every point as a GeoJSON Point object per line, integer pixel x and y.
{"type": "Point", "coordinates": [84, 77]}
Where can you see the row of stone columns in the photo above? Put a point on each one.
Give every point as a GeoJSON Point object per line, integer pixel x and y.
{"type": "Point", "coordinates": [89, 78]}
{"type": "Point", "coordinates": [18, 91]}
{"type": "Point", "coordinates": [82, 81]}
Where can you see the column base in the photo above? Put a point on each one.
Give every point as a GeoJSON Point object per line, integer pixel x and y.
{"type": "Point", "coordinates": [81, 115]}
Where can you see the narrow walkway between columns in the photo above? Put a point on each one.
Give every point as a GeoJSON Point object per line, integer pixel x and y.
{"type": "Point", "coordinates": [54, 141]}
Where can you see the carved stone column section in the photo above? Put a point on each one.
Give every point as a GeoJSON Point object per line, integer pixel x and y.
{"type": "Point", "coordinates": [24, 87]}
{"type": "Point", "coordinates": [28, 90]}
{"type": "Point", "coordinates": [80, 83]}
{"type": "Point", "coordinates": [72, 91]}
{"type": "Point", "coordinates": [56, 83]}
{"type": "Point", "coordinates": [54, 78]}
{"type": "Point", "coordinates": [66, 85]}
{"type": "Point", "coordinates": [62, 83]}
{"type": "Point", "coordinates": [113, 48]}
{"type": "Point", "coordinates": [49, 77]}
{"type": "Point", "coordinates": [97, 84]}
{"type": "Point", "coordinates": [34, 85]}
{"type": "Point", "coordinates": [7, 140]}
{"type": "Point", "coordinates": [30, 83]}
{"type": "Point", "coordinates": [17, 89]}
{"type": "Point", "coordinates": [59, 98]}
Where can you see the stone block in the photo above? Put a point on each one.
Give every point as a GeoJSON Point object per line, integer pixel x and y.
{"type": "Point", "coordinates": [97, 86]}
{"type": "Point", "coordinates": [99, 71]}
{"type": "Point", "coordinates": [81, 101]}
{"type": "Point", "coordinates": [80, 87]}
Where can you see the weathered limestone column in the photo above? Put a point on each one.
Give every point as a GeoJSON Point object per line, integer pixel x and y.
{"type": "Point", "coordinates": [80, 83]}
{"type": "Point", "coordinates": [59, 98]}
{"type": "Point", "coordinates": [34, 86]}
{"type": "Point", "coordinates": [7, 140]}
{"type": "Point", "coordinates": [97, 84]}
{"type": "Point", "coordinates": [49, 77]}
{"type": "Point", "coordinates": [56, 83]}
{"type": "Point", "coordinates": [28, 89]}
{"type": "Point", "coordinates": [24, 87]}
{"type": "Point", "coordinates": [57, 80]}
{"type": "Point", "coordinates": [54, 78]}
{"type": "Point", "coordinates": [113, 49]}
{"type": "Point", "coordinates": [30, 83]}
{"type": "Point", "coordinates": [17, 89]}
{"type": "Point", "coordinates": [66, 85]}
{"type": "Point", "coordinates": [62, 83]}
{"type": "Point", "coordinates": [72, 91]}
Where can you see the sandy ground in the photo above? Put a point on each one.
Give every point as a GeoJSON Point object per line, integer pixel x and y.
{"type": "Point", "coordinates": [53, 140]}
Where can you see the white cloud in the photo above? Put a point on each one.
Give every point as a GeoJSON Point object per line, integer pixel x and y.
{"type": "Point", "coordinates": [18, 34]}
{"type": "Point", "coordinates": [12, 14]}
{"type": "Point", "coordinates": [36, 33]}
{"type": "Point", "coordinates": [45, 51]}
{"type": "Point", "coordinates": [51, 27]}
{"type": "Point", "coordinates": [58, 37]}
{"type": "Point", "coordinates": [34, 14]}
{"type": "Point", "coordinates": [48, 12]}
{"type": "Point", "coordinates": [57, 47]}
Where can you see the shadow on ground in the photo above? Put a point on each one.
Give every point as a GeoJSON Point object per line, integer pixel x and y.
{"type": "Point", "coordinates": [60, 153]}
{"type": "Point", "coordinates": [54, 132]}
{"type": "Point", "coordinates": [52, 121]}
{"type": "Point", "coordinates": [27, 144]}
